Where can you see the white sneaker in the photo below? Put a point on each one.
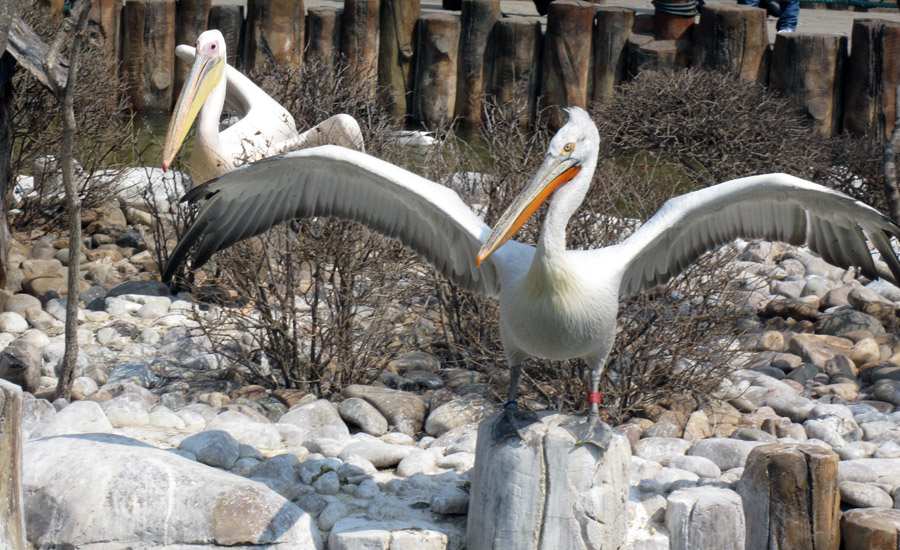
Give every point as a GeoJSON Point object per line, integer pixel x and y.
{"type": "Point", "coordinates": [785, 31]}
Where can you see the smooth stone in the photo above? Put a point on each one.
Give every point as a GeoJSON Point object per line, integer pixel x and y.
{"type": "Point", "coordinates": [699, 465]}
{"type": "Point", "coordinates": [404, 411]}
{"type": "Point", "coordinates": [457, 412]}
{"type": "Point", "coordinates": [660, 449]}
{"type": "Point", "coordinates": [418, 462]}
{"type": "Point", "coordinates": [361, 413]}
{"type": "Point", "coordinates": [451, 500]}
{"type": "Point", "coordinates": [724, 452]}
{"type": "Point", "coordinates": [213, 447]}
{"type": "Point", "coordinates": [855, 471]}
{"type": "Point", "coordinates": [12, 322]}
{"type": "Point", "coordinates": [79, 417]}
{"type": "Point", "coordinates": [327, 484]}
{"type": "Point", "coordinates": [382, 455]}
{"type": "Point", "coordinates": [672, 479]}
{"type": "Point", "coordinates": [334, 512]}
{"type": "Point", "coordinates": [847, 320]}
{"type": "Point", "coordinates": [864, 495]}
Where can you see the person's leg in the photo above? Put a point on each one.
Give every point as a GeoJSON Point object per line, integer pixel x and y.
{"type": "Point", "coordinates": [790, 12]}
{"type": "Point", "coordinates": [754, 3]}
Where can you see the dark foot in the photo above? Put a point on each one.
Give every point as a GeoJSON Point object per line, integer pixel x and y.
{"type": "Point", "coordinates": [773, 8]}
{"type": "Point", "coordinates": [589, 429]}
{"type": "Point", "coordinates": [512, 424]}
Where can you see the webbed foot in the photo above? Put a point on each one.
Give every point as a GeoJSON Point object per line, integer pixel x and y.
{"type": "Point", "coordinates": [590, 429]}
{"type": "Point", "coordinates": [512, 423]}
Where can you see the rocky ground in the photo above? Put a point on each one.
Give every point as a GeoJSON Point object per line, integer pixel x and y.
{"type": "Point", "coordinates": [159, 446]}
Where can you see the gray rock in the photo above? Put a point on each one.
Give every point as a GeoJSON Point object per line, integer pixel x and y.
{"type": "Point", "coordinates": [77, 418]}
{"type": "Point", "coordinates": [382, 455]}
{"type": "Point", "coordinates": [857, 449]}
{"type": "Point", "coordinates": [333, 512]}
{"type": "Point", "coordinates": [404, 411]}
{"type": "Point", "coordinates": [213, 447]}
{"type": "Point", "coordinates": [847, 320]}
{"type": "Point", "coordinates": [660, 449]}
{"type": "Point", "coordinates": [887, 391]}
{"type": "Point", "coordinates": [367, 489]}
{"type": "Point", "coordinates": [21, 303]}
{"type": "Point", "coordinates": [413, 534]}
{"type": "Point", "coordinates": [864, 495]}
{"type": "Point", "coordinates": [35, 413]}
{"type": "Point", "coordinates": [725, 453]}
{"type": "Point", "coordinates": [327, 484]}
{"type": "Point", "coordinates": [260, 435]}
{"type": "Point", "coordinates": [12, 322]}
{"type": "Point", "coordinates": [142, 288]}
{"type": "Point", "coordinates": [888, 449]}
{"type": "Point", "coordinates": [699, 465]}
{"type": "Point", "coordinates": [793, 406]}
{"type": "Point", "coordinates": [313, 415]}
{"type": "Point", "coordinates": [451, 500]}
{"type": "Point", "coordinates": [126, 410]}
{"type": "Point", "coordinates": [458, 412]}
{"type": "Point", "coordinates": [413, 361]}
{"type": "Point", "coordinates": [361, 413]}
{"type": "Point", "coordinates": [281, 467]}
{"type": "Point", "coordinates": [20, 363]}
{"type": "Point", "coordinates": [143, 372]}
{"type": "Point", "coordinates": [855, 471]}
{"type": "Point", "coordinates": [672, 479]}
{"type": "Point", "coordinates": [705, 517]}
{"type": "Point", "coordinates": [312, 503]}
{"type": "Point", "coordinates": [820, 429]}
{"type": "Point", "coordinates": [418, 462]}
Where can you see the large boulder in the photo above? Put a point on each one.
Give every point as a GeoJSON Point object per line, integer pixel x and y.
{"type": "Point", "coordinates": [109, 491]}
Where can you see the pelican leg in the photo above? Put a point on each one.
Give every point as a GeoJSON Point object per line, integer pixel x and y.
{"type": "Point", "coordinates": [513, 422]}
{"type": "Point", "coordinates": [591, 429]}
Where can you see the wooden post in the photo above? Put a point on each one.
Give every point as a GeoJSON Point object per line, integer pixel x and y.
{"type": "Point", "coordinates": [872, 78]}
{"type": "Point", "coordinates": [395, 55]}
{"type": "Point", "coordinates": [148, 53]}
{"type": "Point", "coordinates": [546, 492]}
{"type": "Point", "coordinates": [807, 68]}
{"type": "Point", "coordinates": [229, 20]}
{"type": "Point", "coordinates": [511, 70]}
{"type": "Point", "coordinates": [434, 94]}
{"type": "Point", "coordinates": [731, 39]}
{"type": "Point", "coordinates": [107, 14]}
{"type": "Point", "coordinates": [323, 31]}
{"type": "Point", "coordinates": [611, 30]}
{"type": "Point", "coordinates": [12, 509]}
{"type": "Point", "coordinates": [670, 26]}
{"type": "Point", "coordinates": [871, 528]}
{"type": "Point", "coordinates": [359, 40]}
{"type": "Point", "coordinates": [190, 20]}
{"type": "Point", "coordinates": [274, 34]}
{"type": "Point", "coordinates": [791, 498]}
{"type": "Point", "coordinates": [645, 53]}
{"type": "Point", "coordinates": [566, 59]}
{"type": "Point", "coordinates": [476, 22]}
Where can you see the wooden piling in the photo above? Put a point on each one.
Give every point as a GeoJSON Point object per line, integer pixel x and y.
{"type": "Point", "coordinates": [148, 53]}
{"type": "Point", "coordinates": [808, 69]}
{"type": "Point", "coordinates": [434, 93]}
{"type": "Point", "coordinates": [511, 67]}
{"type": "Point", "coordinates": [323, 32]}
{"type": "Point", "coordinates": [360, 22]}
{"type": "Point", "coordinates": [731, 39]}
{"type": "Point", "coordinates": [670, 26]}
{"type": "Point", "coordinates": [476, 23]}
{"type": "Point", "coordinates": [566, 59]}
{"type": "Point", "coordinates": [872, 77]}
{"type": "Point", "coordinates": [190, 20]}
{"type": "Point", "coordinates": [395, 54]}
{"type": "Point", "coordinates": [645, 53]}
{"type": "Point", "coordinates": [274, 34]}
{"type": "Point", "coordinates": [12, 508]}
{"type": "Point", "coordinates": [107, 15]}
{"type": "Point", "coordinates": [611, 29]}
{"type": "Point", "coordinates": [229, 20]}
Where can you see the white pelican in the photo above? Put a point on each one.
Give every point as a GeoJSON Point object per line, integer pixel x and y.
{"type": "Point", "coordinates": [265, 129]}
{"type": "Point", "coordinates": [554, 303]}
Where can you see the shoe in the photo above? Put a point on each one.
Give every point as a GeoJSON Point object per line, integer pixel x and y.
{"type": "Point", "coordinates": [773, 8]}
{"type": "Point", "coordinates": [785, 31]}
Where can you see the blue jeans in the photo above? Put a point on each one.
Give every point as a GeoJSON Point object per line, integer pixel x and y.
{"type": "Point", "coordinates": [790, 11]}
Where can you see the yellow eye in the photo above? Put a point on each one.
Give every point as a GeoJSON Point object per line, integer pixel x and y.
{"type": "Point", "coordinates": [569, 147]}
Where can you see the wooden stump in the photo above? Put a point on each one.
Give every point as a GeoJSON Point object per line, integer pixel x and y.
{"type": "Point", "coordinates": [511, 71]}
{"type": "Point", "coordinates": [669, 26]}
{"type": "Point", "coordinates": [871, 528]}
{"type": "Point", "coordinates": [274, 34]}
{"type": "Point", "coordinates": [476, 23]}
{"type": "Point", "coordinates": [872, 78]}
{"type": "Point", "coordinates": [395, 55]}
{"type": "Point", "coordinates": [731, 39]}
{"type": "Point", "coordinates": [791, 498]}
{"type": "Point", "coordinates": [148, 53]}
{"type": "Point", "coordinates": [229, 20]}
{"type": "Point", "coordinates": [645, 53]}
{"type": "Point", "coordinates": [12, 511]}
{"type": "Point", "coordinates": [566, 59]}
{"type": "Point", "coordinates": [434, 94]}
{"type": "Point", "coordinates": [107, 15]}
{"type": "Point", "coordinates": [190, 20]}
{"type": "Point", "coordinates": [547, 493]}
{"type": "Point", "coordinates": [611, 30]}
{"type": "Point", "coordinates": [808, 69]}
{"type": "Point", "coordinates": [359, 40]}
{"type": "Point", "coordinates": [323, 32]}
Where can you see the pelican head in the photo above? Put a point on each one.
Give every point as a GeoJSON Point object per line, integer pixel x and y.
{"type": "Point", "coordinates": [573, 148]}
{"type": "Point", "coordinates": [206, 74]}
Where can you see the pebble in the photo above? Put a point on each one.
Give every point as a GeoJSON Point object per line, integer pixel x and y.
{"type": "Point", "coordinates": [213, 447]}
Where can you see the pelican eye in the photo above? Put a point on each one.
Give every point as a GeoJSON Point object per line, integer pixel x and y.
{"type": "Point", "coordinates": [568, 147]}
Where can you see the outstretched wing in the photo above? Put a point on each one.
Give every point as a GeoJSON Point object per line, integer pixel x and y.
{"type": "Point", "coordinates": [776, 207]}
{"type": "Point", "coordinates": [333, 181]}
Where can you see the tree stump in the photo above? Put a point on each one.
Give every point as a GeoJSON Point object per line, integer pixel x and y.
{"type": "Point", "coordinates": [545, 492]}
{"type": "Point", "coordinates": [566, 59]}
{"type": "Point", "coordinates": [274, 34]}
{"type": "Point", "coordinates": [323, 32]}
{"type": "Point", "coordinates": [511, 71]}
{"type": "Point", "coordinates": [359, 41]}
{"type": "Point", "coordinates": [613, 25]}
{"type": "Point", "coordinates": [670, 26]}
{"type": "Point", "coordinates": [808, 69]}
{"type": "Point", "coordinates": [107, 15]}
{"type": "Point", "coordinates": [872, 78]}
{"type": "Point", "coordinates": [148, 53]}
{"type": "Point", "coordinates": [731, 39]}
{"type": "Point", "coordinates": [476, 23]}
{"type": "Point", "coordinates": [12, 511]}
{"type": "Point", "coordinates": [395, 56]}
{"type": "Point", "coordinates": [791, 498]}
{"type": "Point", "coordinates": [645, 53]}
{"type": "Point", "coordinates": [434, 94]}
{"type": "Point", "coordinates": [705, 517]}
{"type": "Point", "coordinates": [871, 528]}
{"type": "Point", "coordinates": [190, 20]}
{"type": "Point", "coordinates": [229, 20]}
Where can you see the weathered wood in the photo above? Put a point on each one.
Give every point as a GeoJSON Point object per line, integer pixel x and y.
{"type": "Point", "coordinates": [731, 39]}
{"type": "Point", "coordinates": [29, 51]}
{"type": "Point", "coordinates": [611, 29]}
{"type": "Point", "coordinates": [359, 40]}
{"type": "Point", "coordinates": [566, 59]}
{"type": "Point", "coordinates": [274, 33]}
{"type": "Point", "coordinates": [323, 32]}
{"type": "Point", "coordinates": [808, 69]}
{"type": "Point", "coordinates": [395, 54]}
{"type": "Point", "coordinates": [871, 528]}
{"type": "Point", "coordinates": [476, 22]}
{"type": "Point", "coordinates": [106, 16]}
{"type": "Point", "coordinates": [645, 53]}
{"type": "Point", "coordinates": [791, 498]}
{"type": "Point", "coordinates": [511, 67]}
{"type": "Point", "coordinates": [7, 67]}
{"type": "Point", "coordinates": [228, 20]}
{"type": "Point", "coordinates": [190, 20]}
{"type": "Point", "coordinates": [546, 492]}
{"type": "Point", "coordinates": [872, 77]}
{"type": "Point", "coordinates": [12, 510]}
{"type": "Point", "coordinates": [669, 26]}
{"type": "Point", "coordinates": [148, 53]}
{"type": "Point", "coordinates": [434, 94]}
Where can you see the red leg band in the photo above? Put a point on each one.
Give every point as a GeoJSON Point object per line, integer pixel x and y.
{"type": "Point", "coordinates": [594, 397]}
